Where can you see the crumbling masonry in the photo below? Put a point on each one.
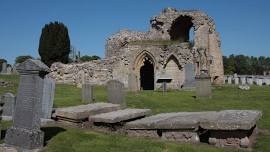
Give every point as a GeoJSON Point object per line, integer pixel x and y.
{"type": "Point", "coordinates": [139, 59]}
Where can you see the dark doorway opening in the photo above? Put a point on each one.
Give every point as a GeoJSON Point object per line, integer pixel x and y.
{"type": "Point", "coordinates": [147, 75]}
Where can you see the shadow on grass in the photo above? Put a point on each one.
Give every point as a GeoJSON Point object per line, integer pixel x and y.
{"type": "Point", "coordinates": [50, 132]}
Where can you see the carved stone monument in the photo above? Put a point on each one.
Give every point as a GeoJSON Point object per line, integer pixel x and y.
{"type": "Point", "coordinates": [47, 97]}
{"type": "Point", "coordinates": [115, 90]}
{"type": "Point", "coordinates": [203, 85]}
{"type": "Point", "coordinates": [25, 132]}
{"type": "Point", "coordinates": [87, 93]}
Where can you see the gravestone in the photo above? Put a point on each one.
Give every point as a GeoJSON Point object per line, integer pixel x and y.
{"type": "Point", "coordinates": [203, 85]}
{"type": "Point", "coordinates": [189, 76]}
{"type": "Point", "coordinates": [4, 68]}
{"type": "Point", "coordinates": [259, 81]}
{"type": "Point", "coordinates": [9, 70]}
{"type": "Point", "coordinates": [243, 80]}
{"type": "Point", "coordinates": [9, 104]}
{"type": "Point", "coordinates": [115, 91]}
{"type": "Point", "coordinates": [250, 80]}
{"type": "Point", "coordinates": [236, 80]}
{"type": "Point", "coordinates": [25, 132]}
{"type": "Point", "coordinates": [87, 93]}
{"type": "Point", "coordinates": [229, 79]}
{"type": "Point", "coordinates": [132, 82]}
{"type": "Point", "coordinates": [47, 97]}
{"type": "Point", "coordinates": [267, 81]}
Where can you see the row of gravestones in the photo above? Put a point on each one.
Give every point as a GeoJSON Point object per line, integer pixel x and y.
{"type": "Point", "coordinates": [35, 101]}
{"type": "Point", "coordinates": [247, 80]}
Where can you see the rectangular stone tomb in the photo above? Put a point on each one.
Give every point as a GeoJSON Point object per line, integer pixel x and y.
{"type": "Point", "coordinates": [232, 128]}
{"type": "Point", "coordinates": [119, 116]}
{"type": "Point", "coordinates": [78, 114]}
{"type": "Point", "coordinates": [224, 128]}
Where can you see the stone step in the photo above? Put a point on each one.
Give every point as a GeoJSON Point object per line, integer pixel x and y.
{"type": "Point", "coordinates": [119, 116]}
{"type": "Point", "coordinates": [82, 112]}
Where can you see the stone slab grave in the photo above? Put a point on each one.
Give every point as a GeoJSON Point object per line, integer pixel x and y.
{"type": "Point", "coordinates": [231, 127]}
{"type": "Point", "coordinates": [117, 118]}
{"type": "Point", "coordinates": [79, 114]}
{"type": "Point", "coordinates": [25, 132]}
{"type": "Point", "coordinates": [224, 128]}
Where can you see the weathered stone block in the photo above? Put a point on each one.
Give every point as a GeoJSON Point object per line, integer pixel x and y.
{"type": "Point", "coordinates": [120, 115]}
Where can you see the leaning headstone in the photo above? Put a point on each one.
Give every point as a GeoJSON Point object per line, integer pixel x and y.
{"type": "Point", "coordinates": [9, 104]}
{"type": "Point", "coordinates": [189, 76]}
{"type": "Point", "coordinates": [4, 68]}
{"type": "Point", "coordinates": [203, 85]}
{"type": "Point", "coordinates": [47, 97]}
{"type": "Point", "coordinates": [25, 132]}
{"type": "Point", "coordinates": [115, 90]}
{"type": "Point", "coordinates": [87, 93]}
{"type": "Point", "coordinates": [236, 80]}
{"type": "Point", "coordinates": [132, 82]}
{"type": "Point", "coordinates": [229, 80]}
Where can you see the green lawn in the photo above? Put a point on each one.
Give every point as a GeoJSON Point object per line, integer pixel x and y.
{"type": "Point", "coordinates": [224, 97]}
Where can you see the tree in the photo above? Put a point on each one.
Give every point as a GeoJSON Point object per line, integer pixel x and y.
{"type": "Point", "coordinates": [86, 58]}
{"type": "Point", "coordinates": [54, 43]}
{"type": "Point", "coordinates": [22, 58]}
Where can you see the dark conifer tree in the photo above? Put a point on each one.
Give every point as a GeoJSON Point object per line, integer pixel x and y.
{"type": "Point", "coordinates": [54, 43]}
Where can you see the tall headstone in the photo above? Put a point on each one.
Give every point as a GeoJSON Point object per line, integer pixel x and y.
{"type": "Point", "coordinates": [115, 91]}
{"type": "Point", "coordinates": [4, 68]}
{"type": "Point", "coordinates": [25, 132]}
{"type": "Point", "coordinates": [189, 76]}
{"type": "Point", "coordinates": [9, 104]}
{"type": "Point", "coordinates": [132, 82]}
{"type": "Point", "coordinates": [87, 93]}
{"type": "Point", "coordinates": [47, 97]}
{"type": "Point", "coordinates": [203, 85]}
{"type": "Point", "coordinates": [229, 79]}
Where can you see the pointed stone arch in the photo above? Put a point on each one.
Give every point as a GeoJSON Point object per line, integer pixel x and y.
{"type": "Point", "coordinates": [173, 68]}
{"type": "Point", "coordinates": [144, 68]}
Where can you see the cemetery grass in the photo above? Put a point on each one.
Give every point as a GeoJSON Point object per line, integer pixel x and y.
{"type": "Point", "coordinates": [224, 97]}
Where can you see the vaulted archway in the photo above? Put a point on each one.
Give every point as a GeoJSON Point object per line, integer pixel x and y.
{"type": "Point", "coordinates": [145, 70]}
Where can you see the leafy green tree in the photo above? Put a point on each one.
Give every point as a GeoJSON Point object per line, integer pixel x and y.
{"type": "Point", "coordinates": [22, 58]}
{"type": "Point", "coordinates": [86, 58]}
{"type": "Point", "coordinates": [54, 43]}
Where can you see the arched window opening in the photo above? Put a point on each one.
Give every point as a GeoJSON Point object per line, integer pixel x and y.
{"type": "Point", "coordinates": [182, 30]}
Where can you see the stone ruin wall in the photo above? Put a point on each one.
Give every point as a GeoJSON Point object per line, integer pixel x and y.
{"type": "Point", "coordinates": [121, 54]}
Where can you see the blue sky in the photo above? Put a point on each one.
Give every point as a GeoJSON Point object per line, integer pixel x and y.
{"type": "Point", "coordinates": [243, 24]}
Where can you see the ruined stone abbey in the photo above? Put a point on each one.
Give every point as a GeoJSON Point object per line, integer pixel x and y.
{"type": "Point", "coordinates": [140, 59]}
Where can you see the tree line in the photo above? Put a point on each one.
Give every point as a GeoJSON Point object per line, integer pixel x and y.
{"type": "Point", "coordinates": [246, 65]}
